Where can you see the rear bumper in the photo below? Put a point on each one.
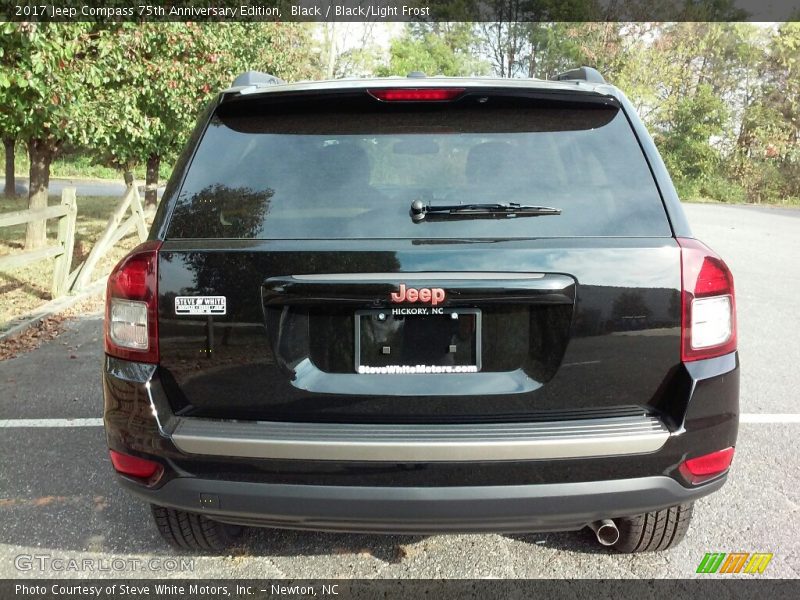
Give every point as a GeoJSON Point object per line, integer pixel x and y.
{"type": "Point", "coordinates": [277, 483]}
{"type": "Point", "coordinates": [420, 510]}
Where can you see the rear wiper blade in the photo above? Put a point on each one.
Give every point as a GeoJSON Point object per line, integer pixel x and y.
{"type": "Point", "coordinates": [421, 211]}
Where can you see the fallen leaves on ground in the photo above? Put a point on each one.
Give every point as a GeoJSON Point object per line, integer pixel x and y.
{"type": "Point", "coordinates": [48, 328]}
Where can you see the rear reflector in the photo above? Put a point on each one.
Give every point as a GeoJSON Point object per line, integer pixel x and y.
{"type": "Point", "coordinates": [703, 468]}
{"type": "Point", "coordinates": [417, 94]}
{"type": "Point", "coordinates": [134, 466]}
{"type": "Point", "coordinates": [131, 327]}
{"type": "Point", "coordinates": [708, 303]}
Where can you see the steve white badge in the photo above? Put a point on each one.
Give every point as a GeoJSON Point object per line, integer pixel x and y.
{"type": "Point", "coordinates": [200, 305]}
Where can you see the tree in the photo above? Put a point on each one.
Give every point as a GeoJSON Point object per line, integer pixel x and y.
{"type": "Point", "coordinates": [172, 71]}
{"type": "Point", "coordinates": [520, 30]}
{"type": "Point", "coordinates": [9, 128]}
{"type": "Point", "coordinates": [10, 187]}
{"type": "Point", "coordinates": [47, 75]}
{"type": "Point", "coordinates": [768, 158]}
{"type": "Point", "coordinates": [693, 122]}
{"type": "Point", "coordinates": [9, 120]}
{"type": "Point", "coordinates": [552, 48]}
{"type": "Point", "coordinates": [349, 49]}
{"type": "Point", "coordinates": [784, 87]}
{"type": "Point", "coordinates": [506, 42]}
{"type": "Point", "coordinates": [434, 49]}
{"type": "Point", "coordinates": [681, 76]}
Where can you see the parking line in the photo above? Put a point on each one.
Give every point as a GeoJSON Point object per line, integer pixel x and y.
{"type": "Point", "coordinates": [50, 423]}
{"type": "Point", "coordinates": [20, 423]}
{"type": "Point", "coordinates": [769, 418]}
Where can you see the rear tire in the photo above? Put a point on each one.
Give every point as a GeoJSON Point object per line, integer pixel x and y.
{"type": "Point", "coordinates": [653, 531]}
{"type": "Point", "coordinates": [192, 531]}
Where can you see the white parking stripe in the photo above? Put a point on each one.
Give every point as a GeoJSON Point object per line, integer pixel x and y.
{"type": "Point", "coordinates": [11, 423]}
{"type": "Point", "coordinates": [51, 423]}
{"type": "Point", "coordinates": [769, 418]}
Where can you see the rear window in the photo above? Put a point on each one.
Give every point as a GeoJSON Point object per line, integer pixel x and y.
{"type": "Point", "coordinates": [291, 173]}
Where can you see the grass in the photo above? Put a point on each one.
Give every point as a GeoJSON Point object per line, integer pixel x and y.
{"type": "Point", "coordinates": [719, 189]}
{"type": "Point", "coordinates": [791, 202]}
{"type": "Point", "coordinates": [25, 289]}
{"type": "Point", "coordinates": [80, 166]}
{"type": "Point", "coordinates": [77, 167]}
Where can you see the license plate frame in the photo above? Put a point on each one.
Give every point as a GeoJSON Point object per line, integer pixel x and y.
{"type": "Point", "coordinates": [442, 317]}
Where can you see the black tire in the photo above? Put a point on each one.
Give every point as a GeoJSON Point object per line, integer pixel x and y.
{"type": "Point", "coordinates": [653, 531]}
{"type": "Point", "coordinates": [194, 531]}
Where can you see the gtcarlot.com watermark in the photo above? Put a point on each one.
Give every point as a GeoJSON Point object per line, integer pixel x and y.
{"type": "Point", "coordinates": [68, 564]}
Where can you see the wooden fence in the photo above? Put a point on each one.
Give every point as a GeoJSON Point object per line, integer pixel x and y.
{"type": "Point", "coordinates": [117, 227]}
{"type": "Point", "coordinates": [115, 230]}
{"type": "Point", "coordinates": [66, 213]}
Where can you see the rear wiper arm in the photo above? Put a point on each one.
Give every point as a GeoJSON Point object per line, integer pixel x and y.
{"type": "Point", "coordinates": [421, 211]}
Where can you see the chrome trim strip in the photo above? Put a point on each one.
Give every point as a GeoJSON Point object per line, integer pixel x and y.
{"type": "Point", "coordinates": [429, 276]}
{"type": "Point", "coordinates": [422, 443]}
{"type": "Point", "coordinates": [153, 409]}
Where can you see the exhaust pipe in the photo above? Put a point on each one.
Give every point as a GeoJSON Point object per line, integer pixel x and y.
{"type": "Point", "coordinates": [606, 531]}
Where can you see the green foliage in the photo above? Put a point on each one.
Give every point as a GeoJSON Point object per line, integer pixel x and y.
{"type": "Point", "coordinates": [435, 49]}
{"type": "Point", "coordinates": [173, 69]}
{"type": "Point", "coordinates": [129, 91]}
{"type": "Point", "coordinates": [691, 124]}
{"type": "Point", "coordinates": [47, 71]}
{"type": "Point", "coordinates": [722, 99]}
{"type": "Point", "coordinates": [557, 47]}
{"type": "Point", "coordinates": [714, 186]}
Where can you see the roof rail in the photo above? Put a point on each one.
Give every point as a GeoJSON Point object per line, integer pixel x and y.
{"type": "Point", "coordinates": [256, 78]}
{"type": "Point", "coordinates": [587, 74]}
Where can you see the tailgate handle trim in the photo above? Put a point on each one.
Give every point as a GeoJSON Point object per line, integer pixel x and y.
{"type": "Point", "coordinates": [432, 275]}
{"type": "Point", "coordinates": [369, 288]}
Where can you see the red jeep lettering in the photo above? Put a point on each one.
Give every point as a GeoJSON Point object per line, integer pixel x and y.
{"type": "Point", "coordinates": [403, 294]}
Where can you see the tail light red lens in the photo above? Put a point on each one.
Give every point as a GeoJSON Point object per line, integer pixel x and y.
{"type": "Point", "coordinates": [133, 466]}
{"type": "Point", "coordinates": [708, 466]}
{"type": "Point", "coordinates": [708, 303]}
{"type": "Point", "coordinates": [131, 326]}
{"type": "Point", "coordinates": [417, 94]}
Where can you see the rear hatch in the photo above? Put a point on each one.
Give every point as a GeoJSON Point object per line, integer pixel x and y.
{"type": "Point", "coordinates": [297, 281]}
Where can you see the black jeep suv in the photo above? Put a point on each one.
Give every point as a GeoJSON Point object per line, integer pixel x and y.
{"type": "Point", "coordinates": [419, 305]}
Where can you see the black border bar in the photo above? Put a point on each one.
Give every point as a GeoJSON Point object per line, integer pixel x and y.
{"type": "Point", "coordinates": [384, 11]}
{"type": "Point", "coordinates": [728, 587]}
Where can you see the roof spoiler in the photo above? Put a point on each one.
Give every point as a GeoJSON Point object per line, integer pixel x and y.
{"type": "Point", "coordinates": [587, 74]}
{"type": "Point", "coordinates": [257, 78]}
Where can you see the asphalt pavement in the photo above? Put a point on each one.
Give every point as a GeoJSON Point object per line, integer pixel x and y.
{"type": "Point", "coordinates": [58, 498]}
{"type": "Point", "coordinates": [84, 187]}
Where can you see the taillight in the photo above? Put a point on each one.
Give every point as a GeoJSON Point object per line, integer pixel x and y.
{"type": "Point", "coordinates": [134, 466]}
{"type": "Point", "coordinates": [708, 303]}
{"type": "Point", "coordinates": [708, 466]}
{"type": "Point", "coordinates": [131, 327]}
{"type": "Point", "coordinates": [417, 94]}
